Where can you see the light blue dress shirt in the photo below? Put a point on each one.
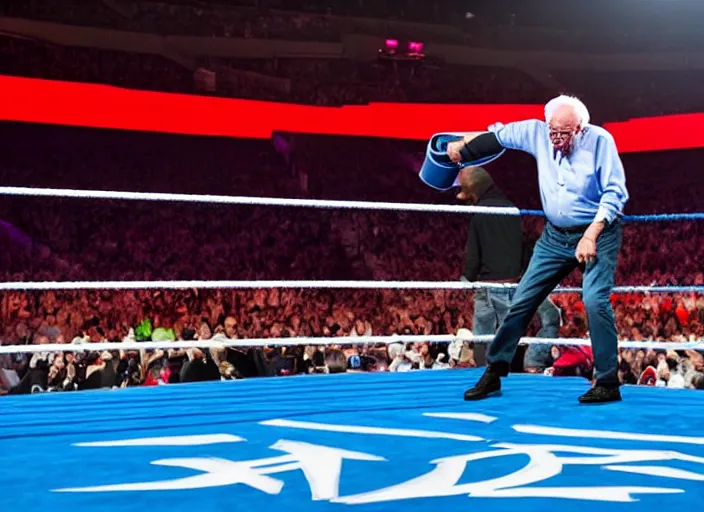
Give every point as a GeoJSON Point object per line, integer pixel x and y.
{"type": "Point", "coordinates": [586, 186]}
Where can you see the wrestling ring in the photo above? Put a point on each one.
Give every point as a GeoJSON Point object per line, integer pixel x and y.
{"type": "Point", "coordinates": [358, 441]}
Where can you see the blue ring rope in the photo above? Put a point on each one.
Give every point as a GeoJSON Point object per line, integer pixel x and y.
{"type": "Point", "coordinates": [664, 217]}
{"type": "Point", "coordinates": [639, 218]}
{"type": "Point", "coordinates": [642, 289]}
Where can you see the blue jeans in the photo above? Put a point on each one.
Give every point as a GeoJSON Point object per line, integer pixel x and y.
{"type": "Point", "coordinates": [490, 308]}
{"type": "Point", "coordinates": [491, 305]}
{"type": "Point", "coordinates": [553, 259]}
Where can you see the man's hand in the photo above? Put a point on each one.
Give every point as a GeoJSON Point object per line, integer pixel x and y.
{"type": "Point", "coordinates": [453, 150]}
{"type": "Point", "coordinates": [586, 248]}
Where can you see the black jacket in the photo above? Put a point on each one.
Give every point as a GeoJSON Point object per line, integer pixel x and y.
{"type": "Point", "coordinates": [494, 249]}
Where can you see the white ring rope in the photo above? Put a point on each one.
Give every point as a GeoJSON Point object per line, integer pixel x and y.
{"type": "Point", "coordinates": [310, 284]}
{"type": "Point", "coordinates": [308, 203]}
{"type": "Point", "coordinates": [257, 201]}
{"type": "Point", "coordinates": [349, 340]}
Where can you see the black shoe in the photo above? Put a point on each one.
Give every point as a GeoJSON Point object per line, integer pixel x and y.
{"type": "Point", "coordinates": [600, 395]}
{"type": "Point", "coordinates": [489, 384]}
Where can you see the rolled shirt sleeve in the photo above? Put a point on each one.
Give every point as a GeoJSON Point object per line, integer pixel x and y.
{"type": "Point", "coordinates": [520, 135]}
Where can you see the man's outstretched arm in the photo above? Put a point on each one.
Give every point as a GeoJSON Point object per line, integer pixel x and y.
{"type": "Point", "coordinates": [521, 135]}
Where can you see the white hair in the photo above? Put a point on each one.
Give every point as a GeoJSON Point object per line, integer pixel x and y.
{"type": "Point", "coordinates": [579, 108]}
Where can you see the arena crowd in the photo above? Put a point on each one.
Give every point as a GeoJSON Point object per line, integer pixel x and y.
{"type": "Point", "coordinates": [52, 239]}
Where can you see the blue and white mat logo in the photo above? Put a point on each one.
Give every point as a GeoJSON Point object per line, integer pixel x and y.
{"type": "Point", "coordinates": [538, 462]}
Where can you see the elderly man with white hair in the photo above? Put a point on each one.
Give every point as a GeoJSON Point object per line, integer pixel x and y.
{"type": "Point", "coordinates": [583, 192]}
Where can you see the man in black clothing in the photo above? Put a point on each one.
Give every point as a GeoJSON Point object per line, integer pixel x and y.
{"type": "Point", "coordinates": [495, 253]}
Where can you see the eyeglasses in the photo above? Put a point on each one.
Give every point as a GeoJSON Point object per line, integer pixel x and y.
{"type": "Point", "coordinates": [560, 134]}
